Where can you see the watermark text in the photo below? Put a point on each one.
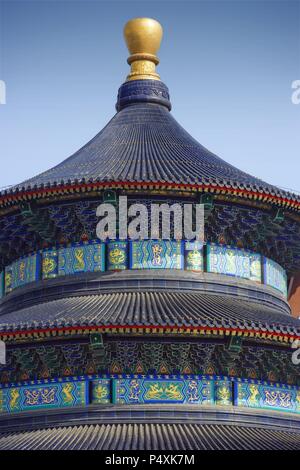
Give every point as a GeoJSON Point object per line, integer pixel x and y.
{"type": "Point", "coordinates": [164, 221]}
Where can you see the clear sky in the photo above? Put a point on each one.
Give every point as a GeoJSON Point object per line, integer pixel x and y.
{"type": "Point", "coordinates": [229, 66]}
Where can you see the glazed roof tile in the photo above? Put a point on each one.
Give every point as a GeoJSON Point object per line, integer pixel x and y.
{"type": "Point", "coordinates": [165, 309]}
{"type": "Point", "coordinates": [141, 436]}
{"type": "Point", "coordinates": [143, 143]}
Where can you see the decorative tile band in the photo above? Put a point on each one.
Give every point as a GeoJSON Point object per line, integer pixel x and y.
{"type": "Point", "coordinates": [253, 395]}
{"type": "Point", "coordinates": [49, 264]}
{"type": "Point", "coordinates": [223, 392]}
{"type": "Point", "coordinates": [117, 255]}
{"type": "Point", "coordinates": [101, 391]}
{"type": "Point", "coordinates": [275, 276]}
{"type": "Point", "coordinates": [57, 395]}
{"type": "Point", "coordinates": [95, 256]}
{"type": "Point", "coordinates": [2, 285]}
{"type": "Point", "coordinates": [163, 391]}
{"type": "Point", "coordinates": [79, 258]}
{"type": "Point", "coordinates": [191, 389]}
{"type": "Point", "coordinates": [156, 254]}
{"type": "Point", "coordinates": [233, 262]}
{"type": "Point", "coordinates": [22, 271]}
{"type": "Point", "coordinates": [193, 256]}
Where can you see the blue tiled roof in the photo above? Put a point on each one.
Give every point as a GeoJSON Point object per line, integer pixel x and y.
{"type": "Point", "coordinates": [144, 143]}
{"type": "Point", "coordinates": [152, 435]}
{"type": "Point", "coordinates": [188, 309]}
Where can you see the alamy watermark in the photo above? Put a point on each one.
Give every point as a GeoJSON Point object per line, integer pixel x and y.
{"type": "Point", "coordinates": [296, 353]}
{"type": "Point", "coordinates": [296, 344]}
{"type": "Point", "coordinates": [137, 223]}
{"type": "Point", "coordinates": [2, 92]}
{"type": "Point", "coordinates": [296, 93]}
{"type": "Point", "coordinates": [2, 353]}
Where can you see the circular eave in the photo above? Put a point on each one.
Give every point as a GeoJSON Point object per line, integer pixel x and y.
{"type": "Point", "coordinates": [171, 313]}
{"type": "Point", "coordinates": [169, 435]}
{"type": "Point", "coordinates": [14, 197]}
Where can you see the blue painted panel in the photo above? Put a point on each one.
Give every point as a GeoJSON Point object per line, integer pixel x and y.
{"type": "Point", "coordinates": [101, 391]}
{"type": "Point", "coordinates": [275, 276]}
{"type": "Point", "coordinates": [2, 287]}
{"type": "Point", "coordinates": [22, 272]}
{"type": "Point", "coordinates": [223, 392]}
{"type": "Point", "coordinates": [117, 255]}
{"type": "Point", "coordinates": [156, 254]}
{"type": "Point", "coordinates": [255, 395]}
{"type": "Point", "coordinates": [50, 264]}
{"type": "Point", "coordinates": [193, 256]}
{"type": "Point", "coordinates": [81, 258]}
{"type": "Point", "coordinates": [54, 395]}
{"type": "Point", "coordinates": [146, 390]}
{"type": "Point", "coordinates": [234, 262]}
{"type": "Point", "coordinates": [8, 279]}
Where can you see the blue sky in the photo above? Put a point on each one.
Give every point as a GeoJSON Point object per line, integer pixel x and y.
{"type": "Point", "coordinates": [229, 66]}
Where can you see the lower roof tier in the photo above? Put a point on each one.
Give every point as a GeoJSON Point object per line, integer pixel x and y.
{"type": "Point", "coordinates": [151, 437]}
{"type": "Point", "coordinates": [146, 312]}
{"type": "Point", "coordinates": [176, 430]}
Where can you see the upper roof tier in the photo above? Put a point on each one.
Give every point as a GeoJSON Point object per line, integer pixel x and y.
{"type": "Point", "coordinates": [143, 143]}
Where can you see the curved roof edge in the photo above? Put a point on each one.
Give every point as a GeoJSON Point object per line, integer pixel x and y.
{"type": "Point", "coordinates": [14, 196]}
{"type": "Point", "coordinates": [152, 312]}
{"type": "Point", "coordinates": [153, 435]}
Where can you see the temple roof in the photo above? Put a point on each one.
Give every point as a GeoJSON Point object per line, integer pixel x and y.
{"type": "Point", "coordinates": [143, 143]}
{"type": "Point", "coordinates": [152, 309]}
{"type": "Point", "coordinates": [141, 436]}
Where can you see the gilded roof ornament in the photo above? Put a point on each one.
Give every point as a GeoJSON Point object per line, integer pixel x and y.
{"type": "Point", "coordinates": [143, 37]}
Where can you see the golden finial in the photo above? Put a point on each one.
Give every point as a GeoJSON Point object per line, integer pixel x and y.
{"type": "Point", "coordinates": [143, 37]}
